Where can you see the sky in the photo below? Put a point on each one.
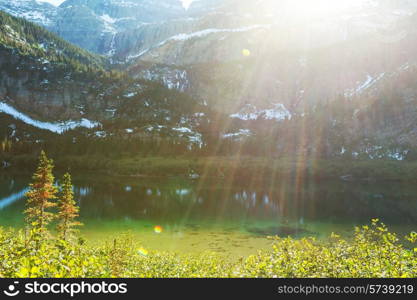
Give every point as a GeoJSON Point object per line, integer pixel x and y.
{"type": "Point", "coordinates": [185, 3]}
{"type": "Point", "coordinates": [54, 2]}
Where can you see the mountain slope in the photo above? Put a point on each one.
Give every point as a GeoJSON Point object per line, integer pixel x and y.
{"type": "Point", "coordinates": [96, 24]}
{"type": "Point", "coordinates": [50, 84]}
{"type": "Point", "coordinates": [41, 13]}
{"type": "Point", "coordinates": [248, 78]}
{"type": "Point", "coordinates": [38, 68]}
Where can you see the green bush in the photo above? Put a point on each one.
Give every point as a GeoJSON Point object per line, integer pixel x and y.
{"type": "Point", "coordinates": [373, 252]}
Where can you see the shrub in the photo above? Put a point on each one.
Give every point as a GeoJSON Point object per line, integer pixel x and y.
{"type": "Point", "coordinates": [373, 252]}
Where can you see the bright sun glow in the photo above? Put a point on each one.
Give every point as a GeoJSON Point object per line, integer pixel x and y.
{"type": "Point", "coordinates": [317, 8]}
{"type": "Point", "coordinates": [186, 3]}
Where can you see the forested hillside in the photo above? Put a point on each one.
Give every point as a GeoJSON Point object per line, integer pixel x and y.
{"type": "Point", "coordinates": [29, 39]}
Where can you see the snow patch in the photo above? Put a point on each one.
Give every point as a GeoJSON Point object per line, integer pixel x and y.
{"type": "Point", "coordinates": [183, 129]}
{"type": "Point", "coordinates": [106, 18]}
{"type": "Point", "coordinates": [279, 112]}
{"type": "Point", "coordinates": [36, 17]}
{"type": "Point", "coordinates": [369, 82]}
{"type": "Point", "coordinates": [58, 127]}
{"type": "Point", "coordinates": [205, 32]}
{"type": "Point", "coordinates": [53, 2]}
{"type": "Point", "coordinates": [240, 134]}
{"type": "Point", "coordinates": [193, 137]}
{"type": "Point", "coordinates": [100, 134]}
{"type": "Point", "coordinates": [130, 95]}
{"type": "Point", "coordinates": [171, 78]}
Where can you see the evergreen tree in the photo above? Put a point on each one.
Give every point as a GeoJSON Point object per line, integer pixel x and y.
{"type": "Point", "coordinates": [68, 209]}
{"type": "Point", "coordinates": [40, 196]}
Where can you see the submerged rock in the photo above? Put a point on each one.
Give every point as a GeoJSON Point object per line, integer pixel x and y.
{"type": "Point", "coordinates": [282, 231]}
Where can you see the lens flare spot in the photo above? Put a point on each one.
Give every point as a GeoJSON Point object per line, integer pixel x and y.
{"type": "Point", "coordinates": [157, 229]}
{"type": "Point", "coordinates": [143, 252]}
{"type": "Point", "coordinates": [246, 52]}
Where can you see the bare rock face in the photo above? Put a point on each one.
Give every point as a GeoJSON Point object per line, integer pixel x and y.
{"type": "Point", "coordinates": [34, 88]}
{"type": "Point", "coordinates": [94, 24]}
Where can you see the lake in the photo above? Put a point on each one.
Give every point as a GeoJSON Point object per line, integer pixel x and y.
{"type": "Point", "coordinates": [219, 215]}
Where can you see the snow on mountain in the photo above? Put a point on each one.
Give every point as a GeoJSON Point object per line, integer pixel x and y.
{"type": "Point", "coordinates": [369, 82]}
{"type": "Point", "coordinates": [242, 133]}
{"type": "Point", "coordinates": [39, 12]}
{"type": "Point", "coordinates": [205, 32]}
{"type": "Point", "coordinates": [279, 112]}
{"type": "Point", "coordinates": [193, 137]}
{"type": "Point", "coordinates": [172, 78]}
{"type": "Point", "coordinates": [53, 2]}
{"type": "Point", "coordinates": [58, 127]}
{"type": "Point", "coordinates": [181, 37]}
{"type": "Point", "coordinates": [108, 19]}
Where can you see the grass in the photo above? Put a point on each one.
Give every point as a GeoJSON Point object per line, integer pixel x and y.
{"type": "Point", "coordinates": [229, 167]}
{"type": "Point", "coordinates": [372, 252]}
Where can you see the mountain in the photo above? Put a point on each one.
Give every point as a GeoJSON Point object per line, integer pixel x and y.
{"type": "Point", "coordinates": [148, 28]}
{"type": "Point", "coordinates": [219, 61]}
{"type": "Point", "coordinates": [52, 85]}
{"type": "Point", "coordinates": [95, 24]}
{"type": "Point", "coordinates": [257, 73]}
{"type": "Point", "coordinates": [233, 25]}
{"type": "Point", "coordinates": [38, 12]}
{"type": "Point", "coordinates": [254, 68]}
{"type": "Point", "coordinates": [39, 69]}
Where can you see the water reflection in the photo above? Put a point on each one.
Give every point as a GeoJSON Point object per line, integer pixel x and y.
{"type": "Point", "coordinates": [180, 200]}
{"type": "Point", "coordinates": [7, 201]}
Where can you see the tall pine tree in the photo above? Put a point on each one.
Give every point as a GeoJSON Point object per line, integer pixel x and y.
{"type": "Point", "coordinates": [68, 209]}
{"type": "Point", "coordinates": [40, 196]}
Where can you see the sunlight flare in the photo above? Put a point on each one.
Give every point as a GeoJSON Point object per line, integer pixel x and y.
{"type": "Point", "coordinates": [158, 229]}
{"type": "Point", "coordinates": [321, 8]}
{"type": "Point", "coordinates": [246, 52]}
{"type": "Point", "coordinates": [186, 3]}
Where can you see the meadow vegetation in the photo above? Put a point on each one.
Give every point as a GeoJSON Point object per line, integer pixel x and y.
{"type": "Point", "coordinates": [373, 252]}
{"type": "Point", "coordinates": [226, 166]}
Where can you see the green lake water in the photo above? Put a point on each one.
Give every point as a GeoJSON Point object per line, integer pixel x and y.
{"type": "Point", "coordinates": [232, 218]}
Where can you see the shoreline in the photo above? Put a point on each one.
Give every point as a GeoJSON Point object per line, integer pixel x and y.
{"type": "Point", "coordinates": [221, 167]}
{"type": "Point", "coordinates": [227, 167]}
